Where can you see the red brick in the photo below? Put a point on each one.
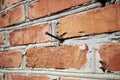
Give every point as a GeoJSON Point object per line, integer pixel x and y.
{"type": "Point", "coordinates": [39, 77]}
{"type": "Point", "coordinates": [47, 7]}
{"type": "Point", "coordinates": [0, 4]}
{"type": "Point", "coordinates": [14, 16]}
{"type": "Point", "coordinates": [66, 78]}
{"type": "Point", "coordinates": [17, 76]}
{"type": "Point", "coordinates": [11, 2]}
{"type": "Point", "coordinates": [30, 35]}
{"type": "Point", "coordinates": [61, 57]}
{"type": "Point", "coordinates": [94, 21]}
{"type": "Point", "coordinates": [110, 54]}
{"type": "Point", "coordinates": [0, 77]}
{"type": "Point", "coordinates": [1, 39]}
{"type": "Point", "coordinates": [118, 15]}
{"type": "Point", "coordinates": [26, 77]}
{"type": "Point", "coordinates": [10, 59]}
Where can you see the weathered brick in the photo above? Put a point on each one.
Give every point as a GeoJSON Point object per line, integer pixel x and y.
{"type": "Point", "coordinates": [94, 21]}
{"type": "Point", "coordinates": [39, 77]}
{"type": "Point", "coordinates": [66, 78]}
{"type": "Point", "coordinates": [14, 16]}
{"type": "Point", "coordinates": [110, 55]}
{"type": "Point", "coordinates": [10, 59]}
{"type": "Point", "coordinates": [61, 57]}
{"type": "Point", "coordinates": [1, 39]}
{"type": "Point", "coordinates": [118, 15]}
{"type": "Point", "coordinates": [11, 2]}
{"type": "Point", "coordinates": [26, 77]}
{"type": "Point", "coordinates": [0, 77]}
{"type": "Point", "coordinates": [16, 76]}
{"type": "Point", "coordinates": [30, 35]}
{"type": "Point", "coordinates": [47, 7]}
{"type": "Point", "coordinates": [0, 4]}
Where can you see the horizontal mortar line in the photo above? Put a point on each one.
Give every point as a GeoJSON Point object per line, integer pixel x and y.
{"type": "Point", "coordinates": [92, 39]}
{"type": "Point", "coordinates": [73, 41]}
{"type": "Point", "coordinates": [54, 17]}
{"type": "Point", "coordinates": [12, 48]}
{"type": "Point", "coordinates": [32, 1]}
{"type": "Point", "coordinates": [87, 41]}
{"type": "Point", "coordinates": [66, 74]}
{"type": "Point", "coordinates": [29, 46]}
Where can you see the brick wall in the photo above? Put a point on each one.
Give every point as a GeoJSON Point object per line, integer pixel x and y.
{"type": "Point", "coordinates": [59, 39]}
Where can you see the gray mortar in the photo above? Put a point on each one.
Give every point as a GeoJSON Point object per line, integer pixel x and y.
{"type": "Point", "coordinates": [66, 74]}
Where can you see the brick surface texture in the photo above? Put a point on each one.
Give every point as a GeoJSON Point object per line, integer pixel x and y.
{"type": "Point", "coordinates": [16, 76]}
{"type": "Point", "coordinates": [0, 4]}
{"type": "Point", "coordinates": [10, 59]}
{"type": "Point", "coordinates": [14, 16]}
{"type": "Point", "coordinates": [1, 39]}
{"type": "Point", "coordinates": [11, 2]}
{"type": "Point", "coordinates": [110, 54]}
{"type": "Point", "coordinates": [26, 77]}
{"type": "Point", "coordinates": [63, 57]}
{"type": "Point", "coordinates": [47, 7]}
{"type": "Point", "coordinates": [95, 21]}
{"type": "Point", "coordinates": [39, 77]}
{"type": "Point", "coordinates": [0, 77]}
{"type": "Point", "coordinates": [32, 34]}
{"type": "Point", "coordinates": [86, 44]}
{"type": "Point", "coordinates": [66, 78]}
